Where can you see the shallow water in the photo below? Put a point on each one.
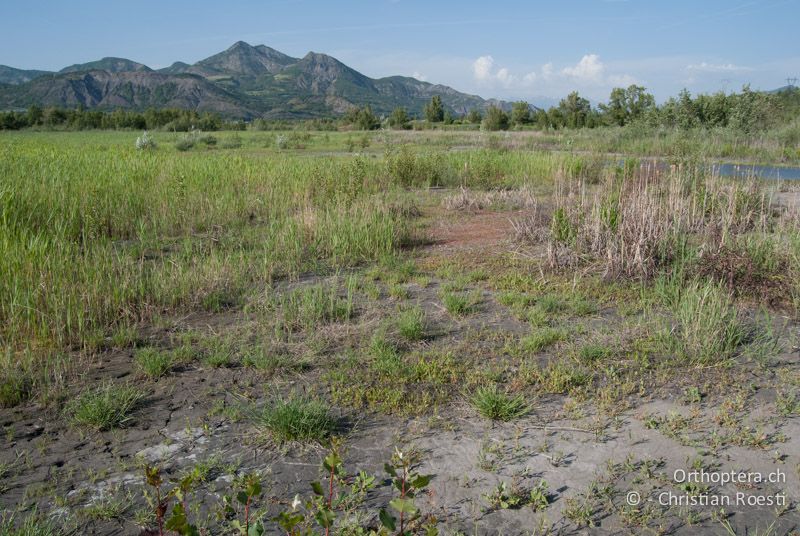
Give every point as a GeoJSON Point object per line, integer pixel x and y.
{"type": "Point", "coordinates": [752, 170]}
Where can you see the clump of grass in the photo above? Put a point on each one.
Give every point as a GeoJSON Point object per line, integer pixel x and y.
{"type": "Point", "coordinates": [387, 360]}
{"type": "Point", "coordinates": [274, 363]}
{"type": "Point", "coordinates": [498, 406]}
{"type": "Point", "coordinates": [550, 304]}
{"type": "Point", "coordinates": [15, 386]}
{"type": "Point", "coordinates": [541, 338]}
{"type": "Point", "coordinates": [105, 407]}
{"type": "Point", "coordinates": [299, 419]}
{"type": "Point", "coordinates": [310, 306]}
{"type": "Point", "coordinates": [411, 323]}
{"type": "Point", "coordinates": [560, 377]}
{"type": "Point", "coordinates": [708, 324]}
{"type": "Point", "coordinates": [153, 362]}
{"type": "Point", "coordinates": [594, 352]}
{"type": "Point", "coordinates": [32, 525]}
{"type": "Point", "coordinates": [459, 303]}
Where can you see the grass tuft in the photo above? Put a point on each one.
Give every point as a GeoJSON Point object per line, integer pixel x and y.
{"type": "Point", "coordinates": [153, 362]}
{"type": "Point", "coordinates": [299, 419]}
{"type": "Point", "coordinates": [498, 406]}
{"type": "Point", "coordinates": [411, 324]}
{"type": "Point", "coordinates": [105, 407]}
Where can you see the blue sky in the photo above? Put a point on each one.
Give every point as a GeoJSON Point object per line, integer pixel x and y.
{"type": "Point", "coordinates": [507, 49]}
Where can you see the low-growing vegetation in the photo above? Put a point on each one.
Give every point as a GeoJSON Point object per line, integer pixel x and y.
{"type": "Point", "coordinates": [219, 332]}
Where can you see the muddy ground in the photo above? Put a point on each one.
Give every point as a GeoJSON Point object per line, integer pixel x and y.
{"type": "Point", "coordinates": [608, 458]}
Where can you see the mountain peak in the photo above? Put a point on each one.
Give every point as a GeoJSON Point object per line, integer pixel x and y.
{"type": "Point", "coordinates": [110, 64]}
{"type": "Point", "coordinates": [242, 81]}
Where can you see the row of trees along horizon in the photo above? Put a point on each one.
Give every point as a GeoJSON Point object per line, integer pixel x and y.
{"type": "Point", "coordinates": [746, 111]}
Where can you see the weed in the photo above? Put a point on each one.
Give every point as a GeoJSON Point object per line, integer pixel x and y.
{"type": "Point", "coordinates": [708, 325]}
{"type": "Point", "coordinates": [105, 407]}
{"type": "Point", "coordinates": [459, 304]}
{"type": "Point", "coordinates": [33, 524]}
{"type": "Point", "coordinates": [153, 362]}
{"type": "Point", "coordinates": [594, 352]}
{"type": "Point", "coordinates": [504, 497]}
{"type": "Point", "coordinates": [493, 404]}
{"type": "Point", "coordinates": [299, 419]}
{"type": "Point", "coordinates": [411, 323]}
{"type": "Point", "coordinates": [541, 338]}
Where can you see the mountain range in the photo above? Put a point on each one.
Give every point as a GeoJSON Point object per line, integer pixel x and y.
{"type": "Point", "coordinates": [244, 82]}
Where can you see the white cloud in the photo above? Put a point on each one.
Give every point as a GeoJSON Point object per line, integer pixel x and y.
{"type": "Point", "coordinates": [482, 68]}
{"type": "Point", "coordinates": [547, 71]}
{"type": "Point", "coordinates": [589, 75]}
{"type": "Point", "coordinates": [419, 76]}
{"type": "Point", "coordinates": [589, 69]}
{"type": "Point", "coordinates": [716, 67]}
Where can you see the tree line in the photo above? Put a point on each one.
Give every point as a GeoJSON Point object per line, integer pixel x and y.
{"type": "Point", "coordinates": [746, 111]}
{"type": "Point", "coordinates": [82, 119]}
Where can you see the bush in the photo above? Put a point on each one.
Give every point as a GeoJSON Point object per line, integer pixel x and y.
{"type": "Point", "coordinates": [496, 119]}
{"type": "Point", "coordinates": [184, 144]}
{"type": "Point", "coordinates": [145, 142]}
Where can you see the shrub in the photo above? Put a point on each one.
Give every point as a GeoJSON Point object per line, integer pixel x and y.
{"type": "Point", "coordinates": [495, 119]}
{"type": "Point", "coordinates": [184, 144]}
{"type": "Point", "coordinates": [145, 142]}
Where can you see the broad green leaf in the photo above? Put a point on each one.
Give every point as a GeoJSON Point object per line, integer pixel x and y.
{"type": "Point", "coordinates": [405, 506]}
{"type": "Point", "coordinates": [387, 519]}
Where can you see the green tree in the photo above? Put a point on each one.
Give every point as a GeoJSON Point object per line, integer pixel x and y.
{"type": "Point", "coordinates": [399, 118]}
{"type": "Point", "coordinates": [575, 110]}
{"type": "Point", "coordinates": [35, 115]}
{"type": "Point", "coordinates": [474, 116]}
{"type": "Point", "coordinates": [520, 113]}
{"type": "Point", "coordinates": [434, 110]}
{"type": "Point", "coordinates": [495, 119]}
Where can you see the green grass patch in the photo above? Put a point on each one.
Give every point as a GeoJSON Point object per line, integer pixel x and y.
{"type": "Point", "coordinates": [153, 362]}
{"type": "Point", "coordinates": [498, 406]}
{"type": "Point", "coordinates": [410, 323]}
{"type": "Point", "coordinates": [298, 419]}
{"type": "Point", "coordinates": [105, 407]}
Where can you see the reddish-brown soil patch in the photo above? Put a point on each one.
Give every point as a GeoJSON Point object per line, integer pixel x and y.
{"type": "Point", "coordinates": [482, 230]}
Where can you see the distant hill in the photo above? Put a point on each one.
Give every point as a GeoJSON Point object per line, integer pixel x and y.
{"type": "Point", "coordinates": [112, 65]}
{"type": "Point", "coordinates": [10, 75]}
{"type": "Point", "coordinates": [243, 81]}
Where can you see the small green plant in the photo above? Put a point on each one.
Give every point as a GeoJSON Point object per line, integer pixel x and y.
{"type": "Point", "coordinates": [539, 498]}
{"type": "Point", "coordinates": [541, 338]}
{"type": "Point", "coordinates": [459, 303]}
{"type": "Point", "coordinates": [594, 352]}
{"type": "Point", "coordinates": [153, 362]}
{"type": "Point", "coordinates": [493, 404]}
{"type": "Point", "coordinates": [105, 407]}
{"type": "Point", "coordinates": [411, 324]}
{"type": "Point", "coordinates": [310, 306]}
{"type": "Point", "coordinates": [297, 419]}
{"type": "Point", "coordinates": [15, 386]}
{"type": "Point", "coordinates": [408, 483]}
{"type": "Point", "coordinates": [33, 524]}
{"type": "Point", "coordinates": [504, 497]}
